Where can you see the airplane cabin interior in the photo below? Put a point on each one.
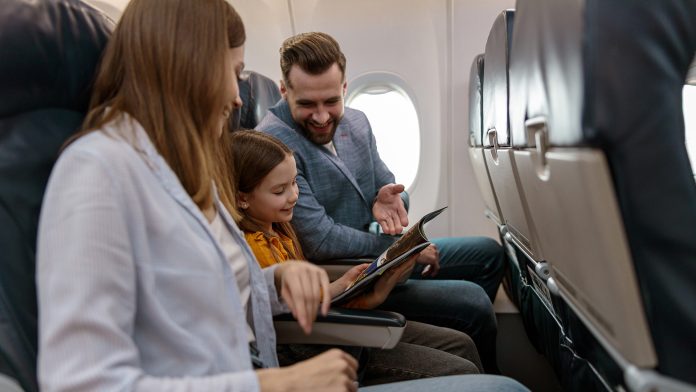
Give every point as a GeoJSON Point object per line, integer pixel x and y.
{"type": "Point", "coordinates": [563, 129]}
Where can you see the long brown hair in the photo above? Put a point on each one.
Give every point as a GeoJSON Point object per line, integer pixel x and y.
{"type": "Point", "coordinates": [165, 66]}
{"type": "Point", "coordinates": [255, 154]}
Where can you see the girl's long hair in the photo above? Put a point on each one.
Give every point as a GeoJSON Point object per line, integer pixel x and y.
{"type": "Point", "coordinates": [164, 65]}
{"type": "Point", "coordinates": [255, 154]}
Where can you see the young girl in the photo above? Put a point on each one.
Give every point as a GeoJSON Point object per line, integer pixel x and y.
{"type": "Point", "coordinates": [267, 191]}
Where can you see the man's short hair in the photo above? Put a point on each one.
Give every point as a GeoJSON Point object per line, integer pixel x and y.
{"type": "Point", "coordinates": [313, 52]}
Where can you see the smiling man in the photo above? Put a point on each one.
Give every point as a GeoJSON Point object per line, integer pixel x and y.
{"type": "Point", "coordinates": [344, 186]}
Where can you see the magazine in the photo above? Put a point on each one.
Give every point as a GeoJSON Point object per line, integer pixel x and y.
{"type": "Point", "coordinates": [412, 242]}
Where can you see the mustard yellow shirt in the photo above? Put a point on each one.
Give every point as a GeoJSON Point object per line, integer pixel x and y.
{"type": "Point", "coordinates": [261, 246]}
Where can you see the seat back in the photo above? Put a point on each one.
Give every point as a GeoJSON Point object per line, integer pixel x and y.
{"type": "Point", "coordinates": [597, 124]}
{"type": "Point", "coordinates": [478, 162]}
{"type": "Point", "coordinates": [258, 93]}
{"type": "Point", "coordinates": [49, 51]}
{"type": "Point", "coordinates": [497, 141]}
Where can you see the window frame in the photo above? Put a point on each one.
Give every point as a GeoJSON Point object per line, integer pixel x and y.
{"type": "Point", "coordinates": [389, 82]}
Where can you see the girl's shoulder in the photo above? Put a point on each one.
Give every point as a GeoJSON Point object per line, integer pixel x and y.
{"type": "Point", "coordinates": [261, 246]}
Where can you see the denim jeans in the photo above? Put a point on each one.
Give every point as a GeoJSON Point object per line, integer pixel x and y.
{"type": "Point", "coordinates": [466, 383]}
{"type": "Point", "coordinates": [477, 259]}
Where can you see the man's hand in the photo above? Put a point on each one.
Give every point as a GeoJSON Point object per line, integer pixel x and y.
{"type": "Point", "coordinates": [429, 256]}
{"type": "Point", "coordinates": [303, 286]}
{"type": "Point", "coordinates": [389, 210]}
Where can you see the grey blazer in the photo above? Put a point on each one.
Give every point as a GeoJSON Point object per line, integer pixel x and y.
{"type": "Point", "coordinates": [336, 193]}
{"type": "Point", "coordinates": [134, 291]}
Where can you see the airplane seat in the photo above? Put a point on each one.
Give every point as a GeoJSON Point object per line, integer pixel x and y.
{"type": "Point", "coordinates": [258, 94]}
{"type": "Point", "coordinates": [597, 123]}
{"type": "Point", "coordinates": [49, 52]}
{"type": "Point", "coordinates": [478, 162]}
{"type": "Point", "coordinates": [526, 260]}
{"type": "Point", "coordinates": [543, 312]}
{"type": "Point", "coordinates": [518, 227]}
{"type": "Point", "coordinates": [476, 141]}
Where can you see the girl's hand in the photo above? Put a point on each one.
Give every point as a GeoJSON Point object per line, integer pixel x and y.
{"type": "Point", "coordinates": [384, 286]}
{"type": "Point", "coordinates": [303, 286]}
{"type": "Point", "coordinates": [333, 370]}
{"type": "Point", "coordinates": [341, 284]}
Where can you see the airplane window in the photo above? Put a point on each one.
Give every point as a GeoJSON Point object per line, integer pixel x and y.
{"type": "Point", "coordinates": [689, 97]}
{"type": "Point", "coordinates": [395, 125]}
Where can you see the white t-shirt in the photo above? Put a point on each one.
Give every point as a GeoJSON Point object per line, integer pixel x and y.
{"type": "Point", "coordinates": [233, 254]}
{"type": "Point", "coordinates": [332, 149]}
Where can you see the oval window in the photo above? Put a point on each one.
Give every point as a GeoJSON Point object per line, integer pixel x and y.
{"type": "Point", "coordinates": [689, 98]}
{"type": "Point", "coordinates": [395, 125]}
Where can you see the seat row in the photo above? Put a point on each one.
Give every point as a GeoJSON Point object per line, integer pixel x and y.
{"type": "Point", "coordinates": [577, 143]}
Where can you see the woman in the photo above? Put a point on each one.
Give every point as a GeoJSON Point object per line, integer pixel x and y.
{"type": "Point", "coordinates": [144, 281]}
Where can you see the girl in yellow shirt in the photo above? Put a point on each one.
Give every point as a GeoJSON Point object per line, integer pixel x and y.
{"type": "Point", "coordinates": [264, 173]}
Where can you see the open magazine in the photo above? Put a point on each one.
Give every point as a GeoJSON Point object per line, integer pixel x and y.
{"type": "Point", "coordinates": [412, 242]}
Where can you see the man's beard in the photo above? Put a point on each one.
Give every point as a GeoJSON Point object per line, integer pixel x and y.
{"type": "Point", "coordinates": [323, 138]}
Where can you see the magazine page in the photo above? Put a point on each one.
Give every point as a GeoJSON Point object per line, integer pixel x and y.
{"type": "Point", "coordinates": [413, 241]}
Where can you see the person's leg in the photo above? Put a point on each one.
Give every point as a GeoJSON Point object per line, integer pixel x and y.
{"type": "Point", "coordinates": [477, 259]}
{"type": "Point", "coordinates": [416, 356]}
{"type": "Point", "coordinates": [466, 383]}
{"type": "Point", "coordinates": [455, 304]}
{"type": "Point", "coordinates": [444, 339]}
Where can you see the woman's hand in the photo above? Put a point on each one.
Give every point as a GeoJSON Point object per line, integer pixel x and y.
{"type": "Point", "coordinates": [303, 286]}
{"type": "Point", "coordinates": [333, 370]}
{"type": "Point", "coordinates": [384, 286]}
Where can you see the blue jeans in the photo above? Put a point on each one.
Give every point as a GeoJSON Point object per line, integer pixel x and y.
{"type": "Point", "coordinates": [477, 259]}
{"type": "Point", "coordinates": [451, 299]}
{"type": "Point", "coordinates": [467, 383]}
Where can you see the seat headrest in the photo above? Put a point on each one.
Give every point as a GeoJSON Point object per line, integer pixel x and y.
{"type": "Point", "coordinates": [49, 52]}
{"type": "Point", "coordinates": [475, 102]}
{"type": "Point", "coordinates": [495, 83]}
{"type": "Point", "coordinates": [258, 93]}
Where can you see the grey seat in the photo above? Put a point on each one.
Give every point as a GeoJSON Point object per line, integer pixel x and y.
{"type": "Point", "coordinates": [476, 141]}
{"type": "Point", "coordinates": [258, 93]}
{"type": "Point", "coordinates": [497, 143]}
{"type": "Point", "coordinates": [49, 52]}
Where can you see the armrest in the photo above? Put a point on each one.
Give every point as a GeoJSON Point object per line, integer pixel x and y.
{"type": "Point", "coordinates": [346, 327]}
{"type": "Point", "coordinates": [337, 267]}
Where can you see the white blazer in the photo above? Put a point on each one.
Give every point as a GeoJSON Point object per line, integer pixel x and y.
{"type": "Point", "coordinates": [134, 292]}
